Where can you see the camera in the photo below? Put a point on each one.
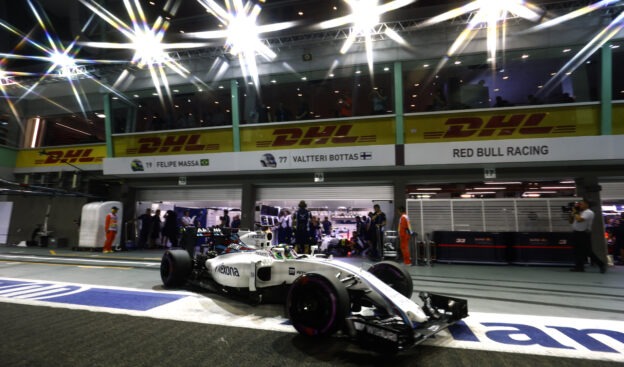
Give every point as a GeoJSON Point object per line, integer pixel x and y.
{"type": "Point", "coordinates": [571, 207]}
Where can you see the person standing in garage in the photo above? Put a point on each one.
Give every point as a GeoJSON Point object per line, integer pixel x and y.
{"type": "Point", "coordinates": [155, 230]}
{"type": "Point", "coordinates": [170, 229]}
{"type": "Point", "coordinates": [302, 228]}
{"type": "Point", "coordinates": [377, 225]}
{"type": "Point", "coordinates": [315, 232]}
{"type": "Point", "coordinates": [327, 226]}
{"type": "Point", "coordinates": [405, 232]}
{"type": "Point", "coordinates": [581, 219]}
{"type": "Point", "coordinates": [110, 228]}
{"type": "Point", "coordinates": [284, 229]}
{"type": "Point", "coordinates": [618, 249]}
{"type": "Point", "coordinates": [225, 219]}
{"type": "Point", "coordinates": [186, 220]}
{"type": "Point", "coordinates": [145, 220]}
{"type": "Point", "coordinates": [236, 223]}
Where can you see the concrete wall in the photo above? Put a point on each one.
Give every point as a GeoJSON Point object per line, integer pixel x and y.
{"type": "Point", "coordinates": [7, 162]}
{"type": "Point", "coordinates": [30, 211]}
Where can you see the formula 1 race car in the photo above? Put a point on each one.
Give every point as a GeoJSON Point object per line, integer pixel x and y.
{"type": "Point", "coordinates": [322, 296]}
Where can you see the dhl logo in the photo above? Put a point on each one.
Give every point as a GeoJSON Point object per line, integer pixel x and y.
{"type": "Point", "coordinates": [499, 125]}
{"type": "Point", "coordinates": [171, 143]}
{"type": "Point", "coordinates": [315, 135]}
{"type": "Point", "coordinates": [69, 156]}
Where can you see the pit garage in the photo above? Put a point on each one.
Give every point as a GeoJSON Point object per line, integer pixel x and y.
{"type": "Point", "coordinates": [340, 204]}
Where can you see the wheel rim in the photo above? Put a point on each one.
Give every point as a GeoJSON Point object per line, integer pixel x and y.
{"type": "Point", "coordinates": [393, 278]}
{"type": "Point", "coordinates": [313, 307]}
{"type": "Point", "coordinates": [166, 268]}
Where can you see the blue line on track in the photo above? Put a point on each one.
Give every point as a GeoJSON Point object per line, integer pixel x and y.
{"type": "Point", "coordinates": [85, 295]}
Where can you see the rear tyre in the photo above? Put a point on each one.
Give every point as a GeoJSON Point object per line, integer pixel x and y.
{"type": "Point", "coordinates": [175, 267]}
{"type": "Point", "coordinates": [395, 276]}
{"type": "Point", "coordinates": [316, 305]}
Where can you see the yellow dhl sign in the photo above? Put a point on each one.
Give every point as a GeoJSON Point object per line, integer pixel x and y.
{"type": "Point", "coordinates": [171, 143]}
{"type": "Point", "coordinates": [375, 131]}
{"type": "Point", "coordinates": [618, 119]}
{"type": "Point", "coordinates": [504, 124]}
{"type": "Point", "coordinates": [80, 155]}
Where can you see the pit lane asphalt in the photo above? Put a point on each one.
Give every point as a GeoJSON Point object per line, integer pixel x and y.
{"type": "Point", "coordinates": [137, 259]}
{"type": "Point", "coordinates": [48, 336]}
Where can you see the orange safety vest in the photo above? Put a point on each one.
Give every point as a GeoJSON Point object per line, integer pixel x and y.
{"type": "Point", "coordinates": [111, 222]}
{"type": "Point", "coordinates": [404, 226]}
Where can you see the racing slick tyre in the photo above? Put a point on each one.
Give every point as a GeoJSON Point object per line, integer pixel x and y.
{"type": "Point", "coordinates": [395, 276]}
{"type": "Point", "coordinates": [175, 267]}
{"type": "Point", "coordinates": [317, 305]}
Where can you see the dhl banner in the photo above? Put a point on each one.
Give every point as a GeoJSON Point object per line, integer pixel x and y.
{"type": "Point", "coordinates": [174, 142]}
{"type": "Point", "coordinates": [618, 118]}
{"type": "Point", "coordinates": [267, 161]}
{"type": "Point", "coordinates": [86, 157]}
{"type": "Point", "coordinates": [551, 122]}
{"type": "Point", "coordinates": [338, 133]}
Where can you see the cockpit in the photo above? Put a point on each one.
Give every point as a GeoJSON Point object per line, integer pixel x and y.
{"type": "Point", "coordinates": [282, 252]}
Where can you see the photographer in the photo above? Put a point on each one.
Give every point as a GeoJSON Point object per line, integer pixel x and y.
{"type": "Point", "coordinates": [581, 218]}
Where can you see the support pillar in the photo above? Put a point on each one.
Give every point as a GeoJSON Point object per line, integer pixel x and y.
{"type": "Point", "coordinates": [108, 125]}
{"type": "Point", "coordinates": [606, 70]}
{"type": "Point", "coordinates": [248, 206]}
{"type": "Point", "coordinates": [235, 116]}
{"type": "Point", "coordinates": [400, 188]}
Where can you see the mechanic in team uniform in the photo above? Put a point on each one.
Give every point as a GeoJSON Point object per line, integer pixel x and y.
{"type": "Point", "coordinates": [155, 230]}
{"type": "Point", "coordinates": [170, 229]}
{"type": "Point", "coordinates": [365, 233]}
{"type": "Point", "coordinates": [376, 232]}
{"type": "Point", "coordinates": [327, 226]}
{"type": "Point", "coordinates": [302, 219]}
{"type": "Point", "coordinates": [145, 220]}
{"type": "Point", "coordinates": [187, 220]}
{"type": "Point", "coordinates": [359, 236]}
{"type": "Point", "coordinates": [236, 222]}
{"type": "Point", "coordinates": [405, 232]}
{"type": "Point", "coordinates": [618, 248]}
{"type": "Point", "coordinates": [111, 228]}
{"type": "Point", "coordinates": [225, 219]}
{"type": "Point", "coordinates": [189, 234]}
{"type": "Point", "coordinates": [315, 231]}
{"type": "Point", "coordinates": [284, 227]}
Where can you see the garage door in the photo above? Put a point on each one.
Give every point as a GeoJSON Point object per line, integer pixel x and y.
{"type": "Point", "coordinates": [612, 190]}
{"type": "Point", "coordinates": [326, 193]}
{"type": "Point", "coordinates": [187, 194]}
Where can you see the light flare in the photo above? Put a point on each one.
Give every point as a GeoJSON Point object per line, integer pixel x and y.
{"type": "Point", "coordinates": [574, 14]}
{"type": "Point", "coordinates": [604, 36]}
{"type": "Point", "coordinates": [242, 33]}
{"type": "Point", "coordinates": [61, 58]}
{"type": "Point", "coordinates": [489, 14]}
{"type": "Point", "coordinates": [365, 20]}
{"type": "Point", "coordinates": [147, 43]}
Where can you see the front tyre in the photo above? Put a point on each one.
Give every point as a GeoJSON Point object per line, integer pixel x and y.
{"type": "Point", "coordinates": [316, 305]}
{"type": "Point", "coordinates": [394, 275]}
{"type": "Point", "coordinates": [175, 267]}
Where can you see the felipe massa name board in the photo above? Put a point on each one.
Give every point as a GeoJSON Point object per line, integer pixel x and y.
{"type": "Point", "coordinates": [347, 157]}
{"type": "Point", "coordinates": [586, 148]}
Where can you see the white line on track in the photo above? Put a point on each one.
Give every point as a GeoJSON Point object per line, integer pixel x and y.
{"type": "Point", "coordinates": [81, 260]}
{"type": "Point", "coordinates": [536, 335]}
